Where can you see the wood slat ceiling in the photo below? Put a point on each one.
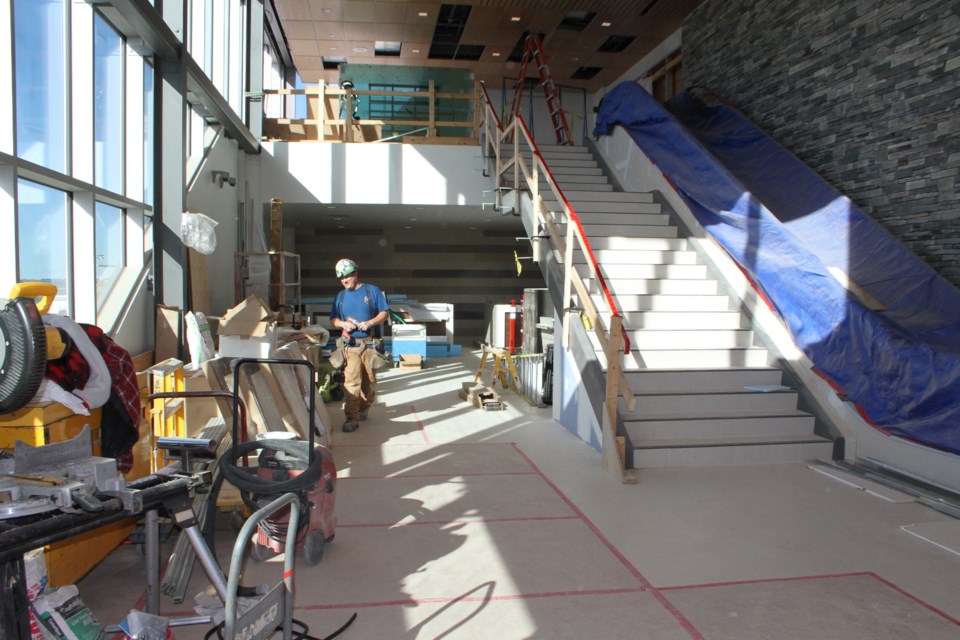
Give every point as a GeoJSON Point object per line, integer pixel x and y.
{"type": "Point", "coordinates": [317, 29]}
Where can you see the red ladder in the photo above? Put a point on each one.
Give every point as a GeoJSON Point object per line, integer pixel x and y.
{"type": "Point", "coordinates": [533, 49]}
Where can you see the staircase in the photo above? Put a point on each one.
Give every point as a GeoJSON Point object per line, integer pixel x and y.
{"type": "Point", "coordinates": [705, 394]}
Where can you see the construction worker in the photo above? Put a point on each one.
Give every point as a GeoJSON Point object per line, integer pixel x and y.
{"type": "Point", "coordinates": [354, 100]}
{"type": "Point", "coordinates": [358, 311]}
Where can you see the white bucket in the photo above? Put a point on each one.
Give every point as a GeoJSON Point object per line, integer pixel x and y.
{"type": "Point", "coordinates": [276, 435]}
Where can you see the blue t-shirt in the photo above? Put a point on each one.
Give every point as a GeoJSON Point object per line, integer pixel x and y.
{"type": "Point", "coordinates": [362, 303]}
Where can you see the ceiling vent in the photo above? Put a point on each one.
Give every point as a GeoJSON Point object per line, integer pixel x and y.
{"type": "Point", "coordinates": [576, 21]}
{"type": "Point", "coordinates": [451, 21]}
{"type": "Point", "coordinates": [585, 73]}
{"type": "Point", "coordinates": [647, 8]}
{"type": "Point", "coordinates": [382, 48]}
{"type": "Point", "coordinates": [616, 44]}
{"type": "Point", "coordinates": [332, 63]}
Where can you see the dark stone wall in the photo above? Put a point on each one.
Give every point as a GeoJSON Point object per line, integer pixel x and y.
{"type": "Point", "coordinates": [866, 92]}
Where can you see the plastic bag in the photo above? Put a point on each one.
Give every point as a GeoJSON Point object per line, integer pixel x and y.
{"type": "Point", "coordinates": [144, 626]}
{"type": "Point", "coordinates": [199, 338]}
{"type": "Point", "coordinates": [196, 231]}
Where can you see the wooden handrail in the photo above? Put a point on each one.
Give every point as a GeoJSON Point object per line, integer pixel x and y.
{"type": "Point", "coordinates": [325, 121]}
{"type": "Point", "coordinates": [615, 337]}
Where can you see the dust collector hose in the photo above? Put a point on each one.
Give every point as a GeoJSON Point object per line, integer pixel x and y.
{"type": "Point", "coordinates": [244, 480]}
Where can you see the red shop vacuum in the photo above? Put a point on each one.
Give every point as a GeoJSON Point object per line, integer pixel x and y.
{"type": "Point", "coordinates": [285, 465]}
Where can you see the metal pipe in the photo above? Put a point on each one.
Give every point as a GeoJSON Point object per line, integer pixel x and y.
{"type": "Point", "coordinates": [151, 538]}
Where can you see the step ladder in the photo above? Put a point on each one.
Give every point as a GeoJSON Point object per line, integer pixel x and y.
{"type": "Point", "coordinates": [533, 50]}
{"type": "Point", "coordinates": [504, 368]}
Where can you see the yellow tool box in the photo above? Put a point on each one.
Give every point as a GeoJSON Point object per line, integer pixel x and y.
{"type": "Point", "coordinates": [39, 424]}
{"type": "Point", "coordinates": [42, 423]}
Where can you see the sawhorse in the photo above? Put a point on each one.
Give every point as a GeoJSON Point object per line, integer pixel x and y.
{"type": "Point", "coordinates": [502, 366]}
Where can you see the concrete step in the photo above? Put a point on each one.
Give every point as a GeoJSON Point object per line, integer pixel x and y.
{"type": "Point", "coordinates": [567, 180]}
{"type": "Point", "coordinates": [559, 149]}
{"type": "Point", "coordinates": [590, 184]}
{"type": "Point", "coordinates": [561, 172]}
{"type": "Point", "coordinates": [658, 230]}
{"type": "Point", "coordinates": [654, 271]}
{"type": "Point", "coordinates": [636, 256]}
{"type": "Point", "coordinates": [644, 339]}
{"type": "Point", "coordinates": [641, 286]}
{"type": "Point", "coordinates": [614, 224]}
{"type": "Point", "coordinates": [690, 358]}
{"type": "Point", "coordinates": [700, 452]}
{"type": "Point", "coordinates": [610, 196]}
{"type": "Point", "coordinates": [564, 160]}
{"type": "Point", "coordinates": [740, 425]}
{"type": "Point", "coordinates": [678, 320]}
{"type": "Point", "coordinates": [622, 243]}
{"type": "Point", "coordinates": [702, 380]}
{"type": "Point", "coordinates": [659, 302]}
{"type": "Point", "coordinates": [585, 207]}
{"type": "Point", "coordinates": [597, 186]}
{"type": "Point", "coordinates": [553, 159]}
{"type": "Point", "coordinates": [703, 405]}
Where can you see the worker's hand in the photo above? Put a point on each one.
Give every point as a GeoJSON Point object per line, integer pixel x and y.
{"type": "Point", "coordinates": [363, 326]}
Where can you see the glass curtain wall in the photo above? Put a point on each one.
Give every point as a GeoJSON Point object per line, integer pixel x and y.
{"type": "Point", "coordinates": [79, 157]}
{"type": "Point", "coordinates": [70, 93]}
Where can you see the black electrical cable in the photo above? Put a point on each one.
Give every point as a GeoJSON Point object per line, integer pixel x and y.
{"type": "Point", "coordinates": [246, 480]}
{"type": "Point", "coordinates": [298, 634]}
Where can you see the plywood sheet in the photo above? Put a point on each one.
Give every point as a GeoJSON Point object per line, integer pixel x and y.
{"type": "Point", "coordinates": [199, 287]}
{"type": "Point", "coordinates": [167, 335]}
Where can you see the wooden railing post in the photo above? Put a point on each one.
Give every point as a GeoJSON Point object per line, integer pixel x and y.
{"type": "Point", "coordinates": [614, 447]}
{"type": "Point", "coordinates": [567, 280]}
{"type": "Point", "coordinates": [432, 125]}
{"type": "Point", "coordinates": [348, 114]}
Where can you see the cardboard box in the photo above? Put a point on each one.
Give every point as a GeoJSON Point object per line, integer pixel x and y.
{"type": "Point", "coordinates": [411, 361]}
{"type": "Point", "coordinates": [248, 330]}
{"type": "Point", "coordinates": [251, 318]}
{"type": "Point", "coordinates": [249, 347]}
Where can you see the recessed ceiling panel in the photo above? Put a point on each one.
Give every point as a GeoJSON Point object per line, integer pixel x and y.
{"type": "Point", "coordinates": [359, 31]}
{"type": "Point", "coordinates": [303, 48]}
{"type": "Point", "coordinates": [358, 11]}
{"type": "Point", "coordinates": [299, 30]}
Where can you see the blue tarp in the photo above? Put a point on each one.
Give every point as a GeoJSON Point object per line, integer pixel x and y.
{"type": "Point", "coordinates": [786, 228]}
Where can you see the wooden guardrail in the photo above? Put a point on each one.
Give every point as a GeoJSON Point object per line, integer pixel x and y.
{"type": "Point", "coordinates": [613, 339]}
{"type": "Point", "coordinates": [330, 118]}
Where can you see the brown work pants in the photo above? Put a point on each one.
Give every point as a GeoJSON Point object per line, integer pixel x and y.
{"type": "Point", "coordinates": [359, 381]}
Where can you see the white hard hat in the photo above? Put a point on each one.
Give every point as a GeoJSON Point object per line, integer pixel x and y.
{"type": "Point", "coordinates": [345, 267]}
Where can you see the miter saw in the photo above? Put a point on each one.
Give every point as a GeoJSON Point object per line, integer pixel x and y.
{"type": "Point", "coordinates": [26, 344]}
{"type": "Point", "coordinates": [60, 476]}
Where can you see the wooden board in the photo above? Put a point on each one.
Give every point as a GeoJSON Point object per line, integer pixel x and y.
{"type": "Point", "coordinates": [255, 418]}
{"type": "Point", "coordinates": [218, 371]}
{"type": "Point", "coordinates": [199, 411]}
{"type": "Point", "coordinates": [276, 396]}
{"type": "Point", "coordinates": [286, 379]}
{"type": "Point", "coordinates": [322, 422]}
{"type": "Point", "coordinates": [143, 361]}
{"type": "Point", "coordinates": [199, 288]}
{"type": "Point", "coordinates": [167, 335]}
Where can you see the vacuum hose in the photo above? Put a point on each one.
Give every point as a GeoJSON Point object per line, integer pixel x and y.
{"type": "Point", "coordinates": [244, 478]}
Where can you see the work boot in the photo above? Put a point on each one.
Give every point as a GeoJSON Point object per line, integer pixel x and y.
{"type": "Point", "coordinates": [350, 425]}
{"type": "Point", "coordinates": [363, 413]}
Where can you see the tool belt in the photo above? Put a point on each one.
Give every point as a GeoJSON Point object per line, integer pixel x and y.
{"type": "Point", "coordinates": [379, 360]}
